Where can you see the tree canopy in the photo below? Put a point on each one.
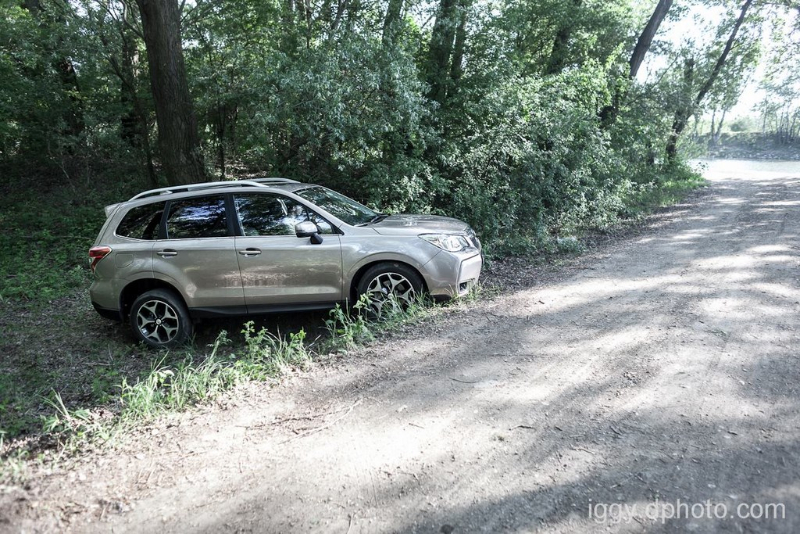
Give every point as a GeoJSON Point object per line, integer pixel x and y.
{"type": "Point", "coordinates": [525, 118]}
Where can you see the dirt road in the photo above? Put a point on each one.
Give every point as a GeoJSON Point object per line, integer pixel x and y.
{"type": "Point", "coordinates": [656, 379]}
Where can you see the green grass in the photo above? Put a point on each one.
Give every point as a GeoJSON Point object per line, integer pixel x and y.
{"type": "Point", "coordinates": [667, 189]}
{"type": "Point", "coordinates": [176, 387]}
{"type": "Point", "coordinates": [48, 228]}
{"type": "Point", "coordinates": [349, 329]}
{"type": "Point", "coordinates": [181, 379]}
{"type": "Point", "coordinates": [45, 248]}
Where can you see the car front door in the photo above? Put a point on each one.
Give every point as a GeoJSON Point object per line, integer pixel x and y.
{"type": "Point", "coordinates": [279, 269]}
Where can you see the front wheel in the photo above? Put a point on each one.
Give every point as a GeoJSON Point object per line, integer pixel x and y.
{"type": "Point", "coordinates": [160, 319]}
{"type": "Point", "coordinates": [389, 287]}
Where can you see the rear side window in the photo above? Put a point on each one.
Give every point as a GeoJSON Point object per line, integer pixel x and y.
{"type": "Point", "coordinates": [142, 222]}
{"type": "Point", "coordinates": [197, 217]}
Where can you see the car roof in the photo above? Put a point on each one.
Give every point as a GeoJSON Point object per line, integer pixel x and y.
{"type": "Point", "coordinates": [185, 191]}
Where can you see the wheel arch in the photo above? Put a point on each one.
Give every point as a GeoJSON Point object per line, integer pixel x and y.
{"type": "Point", "coordinates": [137, 287]}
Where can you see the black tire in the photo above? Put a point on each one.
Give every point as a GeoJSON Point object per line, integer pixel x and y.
{"type": "Point", "coordinates": [389, 283]}
{"type": "Point", "coordinates": [159, 318]}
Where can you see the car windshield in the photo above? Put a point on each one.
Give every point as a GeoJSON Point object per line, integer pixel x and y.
{"type": "Point", "coordinates": [339, 205]}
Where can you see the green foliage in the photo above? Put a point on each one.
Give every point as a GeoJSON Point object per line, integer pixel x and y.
{"type": "Point", "coordinates": [79, 423]}
{"type": "Point", "coordinates": [175, 389]}
{"type": "Point", "coordinates": [667, 187]}
{"type": "Point", "coordinates": [780, 105]}
{"type": "Point", "coordinates": [48, 230]}
{"type": "Point", "coordinates": [190, 380]}
{"type": "Point", "coordinates": [542, 166]}
{"type": "Point", "coordinates": [743, 124]}
{"type": "Point", "coordinates": [595, 30]}
{"type": "Point", "coordinates": [270, 354]}
{"type": "Point", "coordinates": [348, 329]}
{"type": "Point", "coordinates": [168, 388]}
{"type": "Point", "coordinates": [348, 114]}
{"type": "Point", "coordinates": [11, 408]}
{"type": "Point", "coordinates": [515, 146]}
{"type": "Point", "coordinates": [31, 96]}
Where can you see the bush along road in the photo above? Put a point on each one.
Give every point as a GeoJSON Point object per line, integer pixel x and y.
{"type": "Point", "coordinates": [651, 385]}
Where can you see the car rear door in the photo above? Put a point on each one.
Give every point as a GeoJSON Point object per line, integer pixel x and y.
{"type": "Point", "coordinates": [197, 254]}
{"type": "Point", "coordinates": [279, 269]}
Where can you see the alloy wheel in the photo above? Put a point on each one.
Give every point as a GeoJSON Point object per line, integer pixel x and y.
{"type": "Point", "coordinates": [158, 321]}
{"type": "Point", "coordinates": [392, 289]}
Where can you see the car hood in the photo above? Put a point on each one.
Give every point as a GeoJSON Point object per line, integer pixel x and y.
{"type": "Point", "coordinates": [419, 224]}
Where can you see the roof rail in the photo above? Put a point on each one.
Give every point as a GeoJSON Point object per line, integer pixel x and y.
{"type": "Point", "coordinates": [274, 181]}
{"type": "Point", "coordinates": [193, 187]}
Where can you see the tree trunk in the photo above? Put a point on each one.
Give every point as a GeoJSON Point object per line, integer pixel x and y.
{"type": "Point", "coordinates": [391, 21]}
{"type": "Point", "coordinates": [719, 127]}
{"type": "Point", "coordinates": [178, 141]}
{"type": "Point", "coordinates": [683, 111]}
{"type": "Point", "coordinates": [608, 115]}
{"type": "Point", "coordinates": [713, 127]}
{"type": "Point", "coordinates": [221, 127]}
{"type": "Point", "coordinates": [441, 48]}
{"type": "Point", "coordinates": [457, 65]}
{"type": "Point", "coordinates": [706, 87]}
{"type": "Point", "coordinates": [74, 113]}
{"type": "Point", "coordinates": [560, 52]}
{"type": "Point", "coordinates": [129, 122]}
{"type": "Point", "coordinates": [341, 7]}
{"type": "Point", "coordinates": [646, 38]}
{"type": "Point", "coordinates": [683, 114]}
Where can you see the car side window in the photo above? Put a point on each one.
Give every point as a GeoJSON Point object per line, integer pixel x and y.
{"type": "Point", "coordinates": [266, 214]}
{"type": "Point", "coordinates": [193, 218]}
{"type": "Point", "coordinates": [142, 222]}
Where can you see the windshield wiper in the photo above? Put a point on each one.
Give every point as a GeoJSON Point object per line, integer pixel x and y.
{"type": "Point", "coordinates": [376, 219]}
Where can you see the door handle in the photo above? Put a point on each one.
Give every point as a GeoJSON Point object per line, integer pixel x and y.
{"type": "Point", "coordinates": [167, 253]}
{"type": "Point", "coordinates": [250, 252]}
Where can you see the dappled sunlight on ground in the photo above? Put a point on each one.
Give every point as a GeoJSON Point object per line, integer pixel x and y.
{"type": "Point", "coordinates": [666, 370]}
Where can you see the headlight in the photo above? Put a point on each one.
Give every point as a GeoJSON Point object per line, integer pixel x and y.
{"type": "Point", "coordinates": [448, 242]}
{"type": "Point", "coordinates": [473, 238]}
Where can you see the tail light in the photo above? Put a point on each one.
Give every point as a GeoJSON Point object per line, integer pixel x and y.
{"type": "Point", "coordinates": [96, 254]}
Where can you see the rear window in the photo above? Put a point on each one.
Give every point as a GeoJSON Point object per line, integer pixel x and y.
{"type": "Point", "coordinates": [197, 217]}
{"type": "Point", "coordinates": [142, 222]}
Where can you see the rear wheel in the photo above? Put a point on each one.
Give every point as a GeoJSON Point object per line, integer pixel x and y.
{"type": "Point", "coordinates": [160, 319]}
{"type": "Point", "coordinates": [389, 287]}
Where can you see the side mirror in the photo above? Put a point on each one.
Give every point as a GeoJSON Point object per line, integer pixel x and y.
{"type": "Point", "coordinates": [308, 229]}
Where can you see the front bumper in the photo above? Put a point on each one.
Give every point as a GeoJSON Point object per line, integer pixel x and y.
{"type": "Point", "coordinates": [449, 275]}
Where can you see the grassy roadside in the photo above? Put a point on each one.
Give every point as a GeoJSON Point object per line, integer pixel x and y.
{"type": "Point", "coordinates": [70, 380]}
{"type": "Point", "coordinates": [91, 392]}
{"type": "Point", "coordinates": [663, 193]}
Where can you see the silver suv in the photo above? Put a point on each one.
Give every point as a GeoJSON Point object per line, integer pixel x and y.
{"type": "Point", "coordinates": [169, 256]}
